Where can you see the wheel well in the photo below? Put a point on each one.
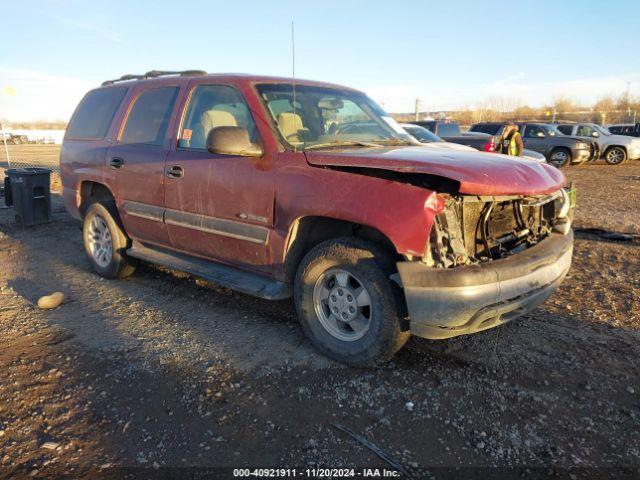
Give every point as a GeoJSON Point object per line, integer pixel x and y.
{"type": "Point", "coordinates": [91, 192]}
{"type": "Point", "coordinates": [615, 146]}
{"type": "Point", "coordinates": [559, 148]}
{"type": "Point", "coordinates": [307, 232]}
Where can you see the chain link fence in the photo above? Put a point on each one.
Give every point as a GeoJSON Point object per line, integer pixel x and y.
{"type": "Point", "coordinates": [31, 155]}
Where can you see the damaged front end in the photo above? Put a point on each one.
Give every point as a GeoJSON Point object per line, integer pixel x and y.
{"type": "Point", "coordinates": [489, 260]}
{"type": "Point", "coordinates": [472, 230]}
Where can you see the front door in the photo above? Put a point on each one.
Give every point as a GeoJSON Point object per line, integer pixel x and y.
{"type": "Point", "coordinates": [135, 165]}
{"type": "Point", "coordinates": [219, 206]}
{"type": "Point", "coordinates": [533, 138]}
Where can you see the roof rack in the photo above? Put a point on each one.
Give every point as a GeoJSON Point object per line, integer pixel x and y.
{"type": "Point", "coordinates": [154, 74]}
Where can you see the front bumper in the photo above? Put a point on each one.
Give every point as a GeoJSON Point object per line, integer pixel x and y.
{"type": "Point", "coordinates": [579, 155]}
{"type": "Point", "coordinates": [447, 302]}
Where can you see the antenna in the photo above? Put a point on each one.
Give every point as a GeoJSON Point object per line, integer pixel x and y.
{"type": "Point", "coordinates": [293, 70]}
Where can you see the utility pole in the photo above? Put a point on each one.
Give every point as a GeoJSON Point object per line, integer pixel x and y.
{"type": "Point", "coordinates": [417, 110]}
{"type": "Point", "coordinates": [4, 141]}
{"type": "Point", "coordinates": [626, 95]}
{"type": "Point", "coordinates": [626, 100]}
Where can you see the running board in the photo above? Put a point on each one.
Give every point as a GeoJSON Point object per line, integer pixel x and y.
{"type": "Point", "coordinates": [223, 275]}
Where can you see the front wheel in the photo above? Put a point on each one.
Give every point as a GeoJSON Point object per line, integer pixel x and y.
{"type": "Point", "coordinates": [615, 156]}
{"type": "Point", "coordinates": [560, 157]}
{"type": "Point", "coordinates": [347, 304]}
{"type": "Point", "coordinates": [105, 243]}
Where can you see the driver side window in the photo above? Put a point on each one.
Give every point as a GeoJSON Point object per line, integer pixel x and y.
{"type": "Point", "coordinates": [533, 131]}
{"type": "Point", "coordinates": [584, 131]}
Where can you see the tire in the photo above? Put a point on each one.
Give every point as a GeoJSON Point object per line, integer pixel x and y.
{"type": "Point", "coordinates": [615, 156]}
{"type": "Point", "coordinates": [560, 157]}
{"type": "Point", "coordinates": [105, 242]}
{"type": "Point", "coordinates": [333, 276]}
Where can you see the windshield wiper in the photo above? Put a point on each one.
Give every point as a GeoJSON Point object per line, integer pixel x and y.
{"type": "Point", "coordinates": [341, 144]}
{"type": "Point", "coordinates": [393, 141]}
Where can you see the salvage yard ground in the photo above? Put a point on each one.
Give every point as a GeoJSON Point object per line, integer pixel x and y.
{"type": "Point", "coordinates": [160, 370]}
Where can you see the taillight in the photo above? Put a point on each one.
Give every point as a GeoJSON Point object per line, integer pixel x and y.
{"type": "Point", "coordinates": [490, 146]}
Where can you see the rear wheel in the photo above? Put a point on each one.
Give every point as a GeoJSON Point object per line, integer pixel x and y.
{"type": "Point", "coordinates": [105, 242]}
{"type": "Point", "coordinates": [347, 304]}
{"type": "Point", "coordinates": [615, 156]}
{"type": "Point", "coordinates": [560, 157]}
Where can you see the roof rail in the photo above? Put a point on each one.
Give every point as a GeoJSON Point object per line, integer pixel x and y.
{"type": "Point", "coordinates": [154, 74]}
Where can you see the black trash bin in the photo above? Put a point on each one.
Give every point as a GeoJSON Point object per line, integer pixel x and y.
{"type": "Point", "coordinates": [28, 191]}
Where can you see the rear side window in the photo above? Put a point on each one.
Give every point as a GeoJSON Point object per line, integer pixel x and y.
{"type": "Point", "coordinates": [566, 129]}
{"type": "Point", "coordinates": [95, 113]}
{"type": "Point", "coordinates": [149, 118]}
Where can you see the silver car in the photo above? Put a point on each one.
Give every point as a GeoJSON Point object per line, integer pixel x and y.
{"type": "Point", "coordinates": [614, 149]}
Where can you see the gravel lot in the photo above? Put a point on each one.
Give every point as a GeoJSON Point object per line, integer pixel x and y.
{"type": "Point", "coordinates": [160, 370]}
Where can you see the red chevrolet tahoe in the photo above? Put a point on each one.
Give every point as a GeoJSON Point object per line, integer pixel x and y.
{"type": "Point", "coordinates": [310, 190]}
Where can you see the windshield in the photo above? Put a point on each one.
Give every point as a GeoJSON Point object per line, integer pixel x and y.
{"type": "Point", "coordinates": [325, 117]}
{"type": "Point", "coordinates": [552, 130]}
{"type": "Point", "coordinates": [422, 134]}
{"type": "Point", "coordinates": [602, 130]}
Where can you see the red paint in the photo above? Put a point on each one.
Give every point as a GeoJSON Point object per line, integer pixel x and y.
{"type": "Point", "coordinates": [478, 173]}
{"type": "Point", "coordinates": [282, 186]}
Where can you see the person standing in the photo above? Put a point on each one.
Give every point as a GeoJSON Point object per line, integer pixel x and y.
{"type": "Point", "coordinates": [511, 143]}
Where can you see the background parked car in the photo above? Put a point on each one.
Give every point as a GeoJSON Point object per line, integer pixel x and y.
{"type": "Point", "coordinates": [614, 149]}
{"type": "Point", "coordinates": [628, 129]}
{"type": "Point", "coordinates": [560, 150]}
{"type": "Point", "coordinates": [451, 132]}
{"type": "Point", "coordinates": [426, 137]}
{"type": "Point", "coordinates": [430, 139]}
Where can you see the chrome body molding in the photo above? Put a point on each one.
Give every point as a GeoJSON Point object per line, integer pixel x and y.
{"type": "Point", "coordinates": [202, 223]}
{"type": "Point", "coordinates": [143, 210]}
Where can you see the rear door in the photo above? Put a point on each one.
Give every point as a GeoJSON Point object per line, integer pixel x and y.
{"type": "Point", "coordinates": [135, 164]}
{"type": "Point", "coordinates": [566, 129]}
{"type": "Point", "coordinates": [219, 206]}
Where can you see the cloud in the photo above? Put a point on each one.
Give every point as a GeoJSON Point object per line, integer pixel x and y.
{"type": "Point", "coordinates": [90, 27]}
{"type": "Point", "coordinates": [39, 96]}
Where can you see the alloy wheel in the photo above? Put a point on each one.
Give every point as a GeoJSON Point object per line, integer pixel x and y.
{"type": "Point", "coordinates": [559, 158]}
{"type": "Point", "coordinates": [615, 156]}
{"type": "Point", "coordinates": [99, 240]}
{"type": "Point", "coordinates": [342, 304]}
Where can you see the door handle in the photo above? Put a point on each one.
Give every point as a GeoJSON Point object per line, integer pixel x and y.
{"type": "Point", "coordinates": [116, 162]}
{"type": "Point", "coordinates": [175, 171]}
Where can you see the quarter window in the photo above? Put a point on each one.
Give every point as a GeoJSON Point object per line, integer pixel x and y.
{"type": "Point", "coordinates": [95, 113]}
{"type": "Point", "coordinates": [149, 118]}
{"type": "Point", "coordinates": [213, 106]}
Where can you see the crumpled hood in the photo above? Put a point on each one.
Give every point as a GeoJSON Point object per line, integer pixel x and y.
{"type": "Point", "coordinates": [479, 173]}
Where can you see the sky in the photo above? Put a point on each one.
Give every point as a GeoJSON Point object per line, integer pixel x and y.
{"type": "Point", "coordinates": [449, 54]}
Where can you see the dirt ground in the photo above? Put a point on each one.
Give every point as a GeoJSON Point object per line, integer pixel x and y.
{"type": "Point", "coordinates": [160, 373]}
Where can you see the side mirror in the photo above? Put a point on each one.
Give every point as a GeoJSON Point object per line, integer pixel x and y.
{"type": "Point", "coordinates": [540, 134]}
{"type": "Point", "coordinates": [595, 134]}
{"type": "Point", "coordinates": [232, 141]}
